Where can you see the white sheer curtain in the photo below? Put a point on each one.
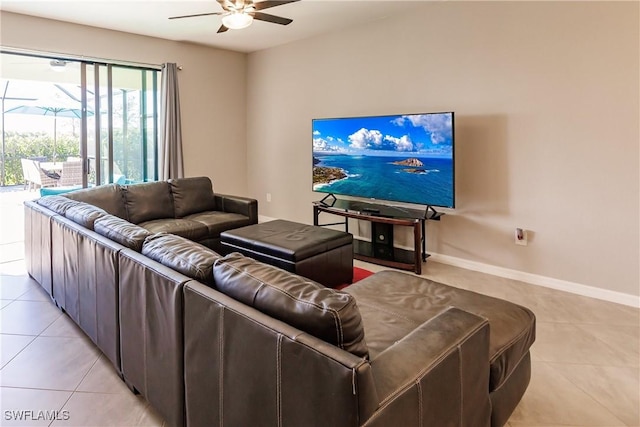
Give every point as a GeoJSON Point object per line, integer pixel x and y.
{"type": "Point", "coordinates": [171, 164]}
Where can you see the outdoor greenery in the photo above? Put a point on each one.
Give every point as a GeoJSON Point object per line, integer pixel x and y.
{"type": "Point", "coordinates": [127, 154]}
{"type": "Point", "coordinates": [24, 145]}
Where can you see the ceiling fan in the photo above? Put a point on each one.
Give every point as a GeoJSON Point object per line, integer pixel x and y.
{"type": "Point", "coordinates": [241, 13]}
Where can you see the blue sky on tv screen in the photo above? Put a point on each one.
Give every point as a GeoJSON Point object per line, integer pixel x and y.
{"type": "Point", "coordinates": [423, 135]}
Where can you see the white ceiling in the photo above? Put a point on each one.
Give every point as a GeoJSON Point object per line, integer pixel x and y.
{"type": "Point", "coordinates": [150, 18]}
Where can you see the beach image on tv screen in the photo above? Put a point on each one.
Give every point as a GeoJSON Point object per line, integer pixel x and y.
{"type": "Point", "coordinates": [405, 158]}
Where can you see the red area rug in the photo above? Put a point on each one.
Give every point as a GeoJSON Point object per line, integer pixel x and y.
{"type": "Point", "coordinates": [358, 274]}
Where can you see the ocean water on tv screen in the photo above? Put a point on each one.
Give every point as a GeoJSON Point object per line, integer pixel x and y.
{"type": "Point", "coordinates": [429, 182]}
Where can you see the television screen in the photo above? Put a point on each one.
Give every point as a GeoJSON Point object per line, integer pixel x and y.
{"type": "Point", "coordinates": [403, 158]}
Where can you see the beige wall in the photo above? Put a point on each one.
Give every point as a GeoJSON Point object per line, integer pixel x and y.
{"type": "Point", "coordinates": [212, 87]}
{"type": "Point", "coordinates": [546, 102]}
{"type": "Point", "coordinates": [547, 122]}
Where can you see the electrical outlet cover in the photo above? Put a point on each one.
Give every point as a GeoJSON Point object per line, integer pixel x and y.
{"type": "Point", "coordinates": [521, 237]}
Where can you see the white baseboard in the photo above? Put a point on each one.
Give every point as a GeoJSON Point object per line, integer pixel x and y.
{"type": "Point", "coordinates": [262, 218]}
{"type": "Point", "coordinates": [535, 279]}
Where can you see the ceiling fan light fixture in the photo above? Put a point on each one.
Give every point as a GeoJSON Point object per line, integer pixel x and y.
{"type": "Point", "coordinates": [237, 20]}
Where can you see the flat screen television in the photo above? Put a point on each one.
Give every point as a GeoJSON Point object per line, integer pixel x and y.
{"type": "Point", "coordinates": [403, 158]}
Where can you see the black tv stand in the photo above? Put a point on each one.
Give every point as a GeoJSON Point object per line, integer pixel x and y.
{"type": "Point", "coordinates": [431, 213]}
{"type": "Point", "coordinates": [328, 197]}
{"type": "Point", "coordinates": [382, 219]}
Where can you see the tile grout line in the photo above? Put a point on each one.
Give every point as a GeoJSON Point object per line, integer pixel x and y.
{"type": "Point", "coordinates": [62, 407]}
{"type": "Point", "coordinates": [62, 313]}
{"type": "Point", "coordinates": [33, 338]}
{"type": "Point", "coordinates": [594, 398]}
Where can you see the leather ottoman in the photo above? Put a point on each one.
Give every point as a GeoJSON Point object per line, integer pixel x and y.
{"type": "Point", "coordinates": [317, 253]}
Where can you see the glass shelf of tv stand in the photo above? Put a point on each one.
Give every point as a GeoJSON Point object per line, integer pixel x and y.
{"type": "Point", "coordinates": [375, 252]}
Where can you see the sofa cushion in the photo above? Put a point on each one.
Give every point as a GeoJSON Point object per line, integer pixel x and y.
{"type": "Point", "coordinates": [183, 255]}
{"type": "Point", "coordinates": [121, 231]}
{"type": "Point", "coordinates": [191, 230]}
{"type": "Point", "coordinates": [58, 204]}
{"type": "Point", "coordinates": [323, 312]}
{"type": "Point", "coordinates": [85, 214]}
{"type": "Point", "coordinates": [148, 201]}
{"type": "Point", "coordinates": [218, 221]}
{"type": "Point", "coordinates": [107, 197]}
{"type": "Point", "coordinates": [191, 195]}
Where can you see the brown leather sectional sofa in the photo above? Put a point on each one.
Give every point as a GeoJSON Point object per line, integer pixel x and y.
{"type": "Point", "coordinates": [76, 244]}
{"type": "Point", "coordinates": [214, 340]}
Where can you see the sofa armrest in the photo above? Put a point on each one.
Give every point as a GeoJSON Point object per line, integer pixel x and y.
{"type": "Point", "coordinates": [437, 375]}
{"type": "Point", "coordinates": [236, 204]}
{"type": "Point", "coordinates": [38, 243]}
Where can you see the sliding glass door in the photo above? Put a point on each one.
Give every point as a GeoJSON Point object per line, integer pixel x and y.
{"type": "Point", "coordinates": [102, 116]}
{"type": "Point", "coordinates": [41, 115]}
{"type": "Point", "coordinates": [122, 139]}
{"type": "Point", "coordinates": [135, 123]}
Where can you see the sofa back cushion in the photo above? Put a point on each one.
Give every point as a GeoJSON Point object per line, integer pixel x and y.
{"type": "Point", "coordinates": [85, 214]}
{"type": "Point", "coordinates": [121, 231]}
{"type": "Point", "coordinates": [107, 197]}
{"type": "Point", "coordinates": [183, 255]}
{"type": "Point", "coordinates": [58, 204]}
{"type": "Point", "coordinates": [192, 195]}
{"type": "Point", "coordinates": [148, 201]}
{"type": "Point", "coordinates": [322, 312]}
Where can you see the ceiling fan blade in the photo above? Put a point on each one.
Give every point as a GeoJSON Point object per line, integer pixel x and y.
{"type": "Point", "coordinates": [231, 5]}
{"type": "Point", "coordinates": [222, 29]}
{"type": "Point", "coordinates": [271, 3]}
{"type": "Point", "coordinates": [271, 18]}
{"type": "Point", "coordinates": [197, 14]}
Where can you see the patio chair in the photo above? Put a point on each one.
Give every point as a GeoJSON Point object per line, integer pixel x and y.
{"type": "Point", "coordinates": [34, 176]}
{"type": "Point", "coordinates": [71, 174]}
{"type": "Point", "coordinates": [26, 173]}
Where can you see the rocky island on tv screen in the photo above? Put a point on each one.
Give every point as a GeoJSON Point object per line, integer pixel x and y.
{"type": "Point", "coordinates": [403, 158]}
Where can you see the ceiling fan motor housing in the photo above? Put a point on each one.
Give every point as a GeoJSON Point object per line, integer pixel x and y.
{"type": "Point", "coordinates": [241, 13]}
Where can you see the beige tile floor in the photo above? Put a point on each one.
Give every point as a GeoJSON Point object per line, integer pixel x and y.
{"type": "Point", "coordinates": [585, 359]}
